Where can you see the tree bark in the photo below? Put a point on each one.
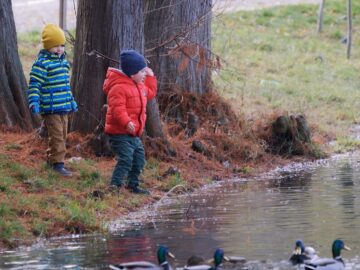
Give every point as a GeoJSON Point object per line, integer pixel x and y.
{"type": "Point", "coordinates": [154, 128]}
{"type": "Point", "coordinates": [106, 26]}
{"type": "Point", "coordinates": [181, 28]}
{"type": "Point", "coordinates": [13, 105]}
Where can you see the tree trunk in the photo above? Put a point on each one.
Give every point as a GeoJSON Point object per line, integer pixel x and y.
{"type": "Point", "coordinates": [154, 128]}
{"type": "Point", "coordinates": [320, 17]}
{"type": "Point", "coordinates": [13, 105]}
{"type": "Point", "coordinates": [106, 26]}
{"type": "Point", "coordinates": [177, 43]}
{"type": "Point", "coordinates": [349, 29]}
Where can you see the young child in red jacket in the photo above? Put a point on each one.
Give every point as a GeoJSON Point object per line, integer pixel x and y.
{"type": "Point", "coordinates": [128, 91]}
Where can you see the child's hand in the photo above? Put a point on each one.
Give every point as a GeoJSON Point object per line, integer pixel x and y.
{"type": "Point", "coordinates": [149, 72]}
{"type": "Point", "coordinates": [35, 108]}
{"type": "Point", "coordinates": [74, 107]}
{"type": "Point", "coordinates": [130, 127]}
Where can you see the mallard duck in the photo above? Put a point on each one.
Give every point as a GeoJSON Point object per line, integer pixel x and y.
{"type": "Point", "coordinates": [302, 254]}
{"type": "Point", "coordinates": [162, 254]}
{"type": "Point", "coordinates": [311, 253]}
{"type": "Point", "coordinates": [336, 263]}
{"type": "Point", "coordinates": [218, 259]}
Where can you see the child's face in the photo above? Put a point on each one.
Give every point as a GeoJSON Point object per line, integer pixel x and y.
{"type": "Point", "coordinates": [140, 76]}
{"type": "Point", "coordinates": [58, 50]}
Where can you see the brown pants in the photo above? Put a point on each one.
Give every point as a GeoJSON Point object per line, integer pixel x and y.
{"type": "Point", "coordinates": [56, 125]}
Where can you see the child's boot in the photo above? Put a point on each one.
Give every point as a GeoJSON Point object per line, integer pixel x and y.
{"type": "Point", "coordinates": [138, 190]}
{"type": "Point", "coordinates": [115, 189]}
{"type": "Point", "coordinates": [60, 169]}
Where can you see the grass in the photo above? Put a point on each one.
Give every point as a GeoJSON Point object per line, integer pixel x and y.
{"type": "Point", "coordinates": [173, 181]}
{"type": "Point", "coordinates": [38, 202]}
{"type": "Point", "coordinates": [275, 60]}
{"type": "Point", "coordinates": [346, 144]}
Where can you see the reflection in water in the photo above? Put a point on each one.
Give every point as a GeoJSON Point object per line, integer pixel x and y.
{"type": "Point", "coordinates": [258, 219]}
{"type": "Point", "coordinates": [133, 246]}
{"type": "Point", "coordinates": [346, 180]}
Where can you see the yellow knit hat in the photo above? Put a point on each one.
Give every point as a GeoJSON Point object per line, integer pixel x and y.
{"type": "Point", "coordinates": [52, 36]}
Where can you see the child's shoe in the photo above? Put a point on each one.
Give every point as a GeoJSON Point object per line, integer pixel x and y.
{"type": "Point", "coordinates": [60, 169]}
{"type": "Point", "coordinates": [138, 190]}
{"type": "Point", "coordinates": [114, 189]}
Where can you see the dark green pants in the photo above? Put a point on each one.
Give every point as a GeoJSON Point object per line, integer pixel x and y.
{"type": "Point", "coordinates": [131, 159]}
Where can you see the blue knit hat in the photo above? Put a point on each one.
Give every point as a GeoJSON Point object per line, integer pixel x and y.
{"type": "Point", "coordinates": [131, 62]}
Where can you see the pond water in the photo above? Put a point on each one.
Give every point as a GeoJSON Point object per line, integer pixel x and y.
{"type": "Point", "coordinates": [258, 219]}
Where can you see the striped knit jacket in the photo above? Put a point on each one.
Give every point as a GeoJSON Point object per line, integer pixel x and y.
{"type": "Point", "coordinates": [49, 85]}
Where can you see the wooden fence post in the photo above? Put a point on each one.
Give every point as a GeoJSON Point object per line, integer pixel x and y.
{"type": "Point", "coordinates": [320, 17]}
{"type": "Point", "coordinates": [62, 14]}
{"type": "Point", "coordinates": [349, 33]}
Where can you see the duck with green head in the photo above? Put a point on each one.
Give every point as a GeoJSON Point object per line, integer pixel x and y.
{"type": "Point", "coordinates": [334, 263]}
{"type": "Point", "coordinates": [217, 260]}
{"type": "Point", "coordinates": [162, 254]}
{"type": "Point", "coordinates": [302, 254]}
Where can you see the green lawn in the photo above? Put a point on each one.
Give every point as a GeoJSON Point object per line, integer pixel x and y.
{"type": "Point", "coordinates": [275, 60]}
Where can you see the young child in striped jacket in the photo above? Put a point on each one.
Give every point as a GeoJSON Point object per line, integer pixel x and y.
{"type": "Point", "coordinates": [50, 96]}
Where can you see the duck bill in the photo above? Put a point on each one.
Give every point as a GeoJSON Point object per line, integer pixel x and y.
{"type": "Point", "coordinates": [226, 259]}
{"type": "Point", "coordinates": [171, 255]}
{"type": "Point", "coordinates": [347, 248]}
{"type": "Point", "coordinates": [297, 251]}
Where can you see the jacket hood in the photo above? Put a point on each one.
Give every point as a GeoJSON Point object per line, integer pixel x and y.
{"type": "Point", "coordinates": [115, 76]}
{"type": "Point", "coordinates": [52, 56]}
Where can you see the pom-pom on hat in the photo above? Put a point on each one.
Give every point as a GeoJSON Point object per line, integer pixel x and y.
{"type": "Point", "coordinates": [131, 62]}
{"type": "Point", "coordinates": [52, 36]}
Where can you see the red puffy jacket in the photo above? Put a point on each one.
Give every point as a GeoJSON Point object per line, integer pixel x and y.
{"type": "Point", "coordinates": [126, 101]}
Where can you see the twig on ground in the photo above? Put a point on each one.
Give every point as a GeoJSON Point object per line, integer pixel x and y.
{"type": "Point", "coordinates": [156, 205]}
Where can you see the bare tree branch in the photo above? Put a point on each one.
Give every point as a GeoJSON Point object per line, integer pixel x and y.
{"type": "Point", "coordinates": [102, 56]}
